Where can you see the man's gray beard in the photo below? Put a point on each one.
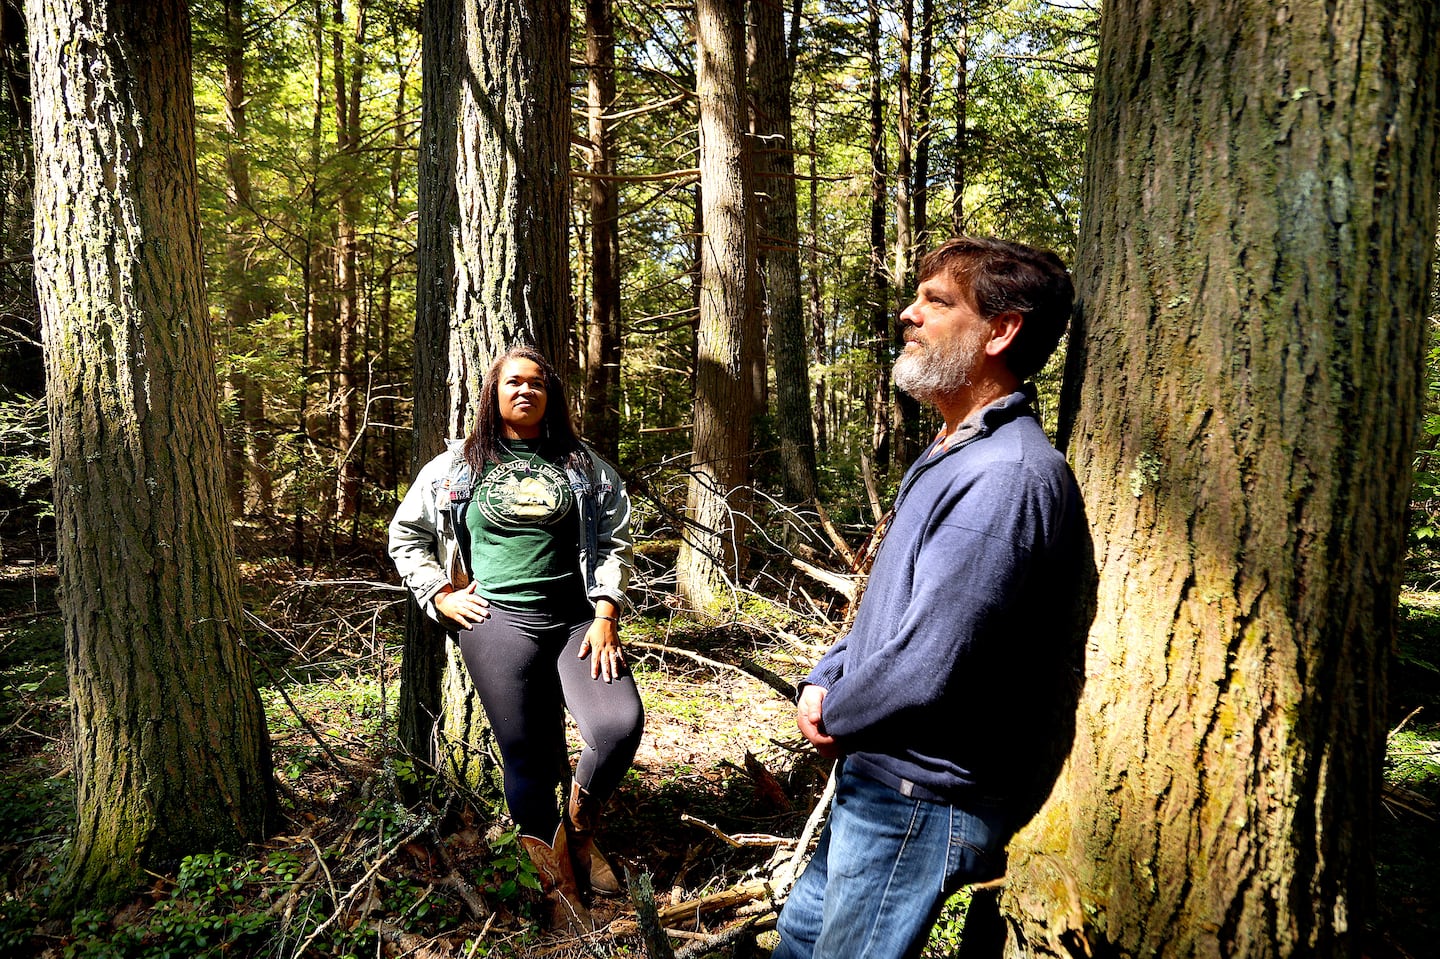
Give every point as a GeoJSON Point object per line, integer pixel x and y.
{"type": "Point", "coordinates": [928, 373]}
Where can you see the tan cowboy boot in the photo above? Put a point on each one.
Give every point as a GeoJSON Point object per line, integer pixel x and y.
{"type": "Point", "coordinates": [557, 881]}
{"type": "Point", "coordinates": [592, 869]}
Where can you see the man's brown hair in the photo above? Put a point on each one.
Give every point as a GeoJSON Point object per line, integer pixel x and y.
{"type": "Point", "coordinates": [1003, 277]}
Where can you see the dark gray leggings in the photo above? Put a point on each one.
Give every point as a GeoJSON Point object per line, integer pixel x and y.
{"type": "Point", "coordinates": [526, 667]}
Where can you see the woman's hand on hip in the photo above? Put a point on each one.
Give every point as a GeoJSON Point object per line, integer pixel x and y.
{"type": "Point", "coordinates": [465, 606]}
{"type": "Point", "coordinates": [602, 640]}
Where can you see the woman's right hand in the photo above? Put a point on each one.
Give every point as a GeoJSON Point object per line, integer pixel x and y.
{"type": "Point", "coordinates": [465, 606]}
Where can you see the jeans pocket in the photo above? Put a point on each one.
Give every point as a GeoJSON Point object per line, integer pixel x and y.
{"type": "Point", "coordinates": [977, 847]}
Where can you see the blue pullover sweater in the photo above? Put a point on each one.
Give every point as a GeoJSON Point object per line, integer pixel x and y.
{"type": "Point", "coordinates": [947, 685]}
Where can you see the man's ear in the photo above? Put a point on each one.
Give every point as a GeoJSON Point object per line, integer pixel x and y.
{"type": "Point", "coordinates": [1004, 329]}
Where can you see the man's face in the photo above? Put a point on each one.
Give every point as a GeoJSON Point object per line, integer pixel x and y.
{"type": "Point", "coordinates": [945, 340]}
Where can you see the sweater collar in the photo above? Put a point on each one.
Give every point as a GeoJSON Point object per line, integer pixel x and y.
{"type": "Point", "coordinates": [984, 421]}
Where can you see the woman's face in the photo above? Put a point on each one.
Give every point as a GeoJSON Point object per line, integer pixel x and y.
{"type": "Point", "coordinates": [522, 398]}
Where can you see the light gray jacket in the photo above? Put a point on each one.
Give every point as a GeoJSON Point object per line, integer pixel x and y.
{"type": "Point", "coordinates": [425, 538]}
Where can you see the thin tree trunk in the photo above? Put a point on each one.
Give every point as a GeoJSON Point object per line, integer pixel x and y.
{"type": "Point", "coordinates": [349, 69]}
{"type": "Point", "coordinates": [877, 284]}
{"type": "Point", "coordinates": [905, 410]}
{"type": "Point", "coordinates": [249, 446]}
{"type": "Point", "coordinates": [817, 302]}
{"type": "Point", "coordinates": [172, 755]}
{"type": "Point", "coordinates": [602, 358]}
{"type": "Point", "coordinates": [920, 188]}
{"type": "Point", "coordinates": [1244, 391]}
{"type": "Point", "coordinates": [962, 119]}
{"type": "Point", "coordinates": [779, 242]}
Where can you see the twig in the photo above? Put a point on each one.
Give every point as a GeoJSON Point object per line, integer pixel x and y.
{"type": "Point", "coordinates": [285, 695]}
{"type": "Point", "coordinates": [708, 944]}
{"type": "Point", "coordinates": [769, 679]}
{"type": "Point", "coordinates": [739, 839]}
{"type": "Point", "coordinates": [836, 540]}
{"type": "Point", "coordinates": [785, 878]}
{"type": "Point", "coordinates": [1403, 723]}
{"type": "Point", "coordinates": [361, 883]}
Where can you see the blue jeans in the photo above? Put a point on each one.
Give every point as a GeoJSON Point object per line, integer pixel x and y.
{"type": "Point", "coordinates": [884, 867]}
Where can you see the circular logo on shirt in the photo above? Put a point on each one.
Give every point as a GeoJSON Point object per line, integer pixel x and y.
{"type": "Point", "coordinates": [524, 493]}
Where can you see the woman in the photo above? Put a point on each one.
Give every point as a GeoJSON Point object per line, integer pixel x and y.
{"type": "Point", "coordinates": [487, 540]}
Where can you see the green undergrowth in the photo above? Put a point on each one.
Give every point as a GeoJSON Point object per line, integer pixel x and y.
{"type": "Point", "coordinates": [329, 681]}
{"type": "Point", "coordinates": [1407, 832]}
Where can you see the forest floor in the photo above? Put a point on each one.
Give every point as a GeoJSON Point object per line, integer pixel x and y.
{"type": "Point", "coordinates": [365, 864]}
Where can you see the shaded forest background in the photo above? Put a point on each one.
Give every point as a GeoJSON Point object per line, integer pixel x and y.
{"type": "Point", "coordinates": [308, 121]}
{"type": "Point", "coordinates": [910, 123]}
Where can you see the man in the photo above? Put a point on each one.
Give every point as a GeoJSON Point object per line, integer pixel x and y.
{"type": "Point", "coordinates": [941, 700]}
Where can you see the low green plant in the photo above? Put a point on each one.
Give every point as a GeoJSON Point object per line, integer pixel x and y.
{"type": "Point", "coordinates": [950, 927]}
{"type": "Point", "coordinates": [509, 869]}
{"type": "Point", "coordinates": [204, 917]}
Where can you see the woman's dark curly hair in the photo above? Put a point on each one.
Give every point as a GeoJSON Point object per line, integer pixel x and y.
{"type": "Point", "coordinates": [483, 445]}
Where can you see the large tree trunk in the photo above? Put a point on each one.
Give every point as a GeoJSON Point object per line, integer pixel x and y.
{"type": "Point", "coordinates": [1245, 384]}
{"type": "Point", "coordinates": [493, 272]}
{"type": "Point", "coordinates": [171, 751]}
{"type": "Point", "coordinates": [602, 349]}
{"type": "Point", "coordinates": [771, 71]}
{"type": "Point", "coordinates": [711, 555]}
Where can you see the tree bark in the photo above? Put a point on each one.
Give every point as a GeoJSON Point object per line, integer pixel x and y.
{"type": "Point", "coordinates": [817, 304]}
{"type": "Point", "coordinates": [905, 409]}
{"type": "Point", "coordinates": [1242, 396]}
{"type": "Point", "coordinates": [602, 357]}
{"type": "Point", "coordinates": [877, 283]}
{"type": "Point", "coordinates": [924, 105]}
{"type": "Point", "coordinates": [249, 443]}
{"type": "Point", "coordinates": [711, 552]}
{"type": "Point", "coordinates": [493, 272]}
{"type": "Point", "coordinates": [962, 120]}
{"type": "Point", "coordinates": [771, 73]}
{"type": "Point", "coordinates": [349, 70]}
{"type": "Point", "coordinates": [172, 755]}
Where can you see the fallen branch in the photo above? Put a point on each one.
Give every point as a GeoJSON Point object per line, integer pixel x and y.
{"type": "Point", "coordinates": [788, 873]}
{"type": "Point", "coordinates": [775, 682]}
{"type": "Point", "coordinates": [1408, 800]}
{"type": "Point", "coordinates": [836, 540]}
{"type": "Point", "coordinates": [689, 913]}
{"type": "Point", "coordinates": [361, 883]}
{"type": "Point", "coordinates": [647, 921]}
{"type": "Point", "coordinates": [1403, 723]}
{"type": "Point", "coordinates": [726, 936]}
{"type": "Point", "coordinates": [844, 585]}
{"type": "Point", "coordinates": [739, 839]}
{"type": "Point", "coordinates": [285, 695]}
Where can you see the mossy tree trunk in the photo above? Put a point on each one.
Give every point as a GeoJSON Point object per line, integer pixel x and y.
{"type": "Point", "coordinates": [1242, 397]}
{"type": "Point", "coordinates": [712, 552]}
{"type": "Point", "coordinates": [493, 271]}
{"type": "Point", "coordinates": [171, 751]}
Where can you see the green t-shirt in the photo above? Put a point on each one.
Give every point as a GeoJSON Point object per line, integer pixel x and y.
{"type": "Point", "coordinates": [524, 533]}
